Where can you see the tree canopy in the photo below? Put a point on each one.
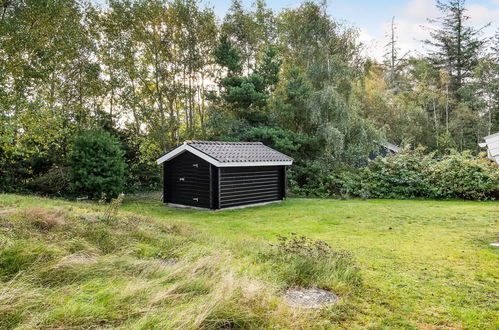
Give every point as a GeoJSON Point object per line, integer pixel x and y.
{"type": "Point", "coordinates": [155, 73]}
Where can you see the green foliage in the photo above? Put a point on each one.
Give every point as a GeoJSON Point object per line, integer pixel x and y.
{"type": "Point", "coordinates": [307, 178]}
{"type": "Point", "coordinates": [291, 106]}
{"type": "Point", "coordinates": [227, 56]}
{"type": "Point", "coordinates": [269, 67]}
{"type": "Point", "coordinates": [54, 182]}
{"type": "Point", "coordinates": [396, 176]}
{"type": "Point", "coordinates": [244, 92]}
{"type": "Point", "coordinates": [418, 175]}
{"type": "Point", "coordinates": [463, 176]}
{"type": "Point", "coordinates": [140, 154]}
{"type": "Point", "coordinates": [293, 79]}
{"type": "Point", "coordinates": [97, 165]}
{"type": "Point", "coordinates": [246, 96]}
{"type": "Point", "coordinates": [297, 145]}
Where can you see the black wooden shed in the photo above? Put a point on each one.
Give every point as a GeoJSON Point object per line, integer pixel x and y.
{"type": "Point", "coordinates": [215, 175]}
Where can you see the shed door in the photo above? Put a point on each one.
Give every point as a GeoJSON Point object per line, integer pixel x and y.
{"type": "Point", "coordinates": [188, 181]}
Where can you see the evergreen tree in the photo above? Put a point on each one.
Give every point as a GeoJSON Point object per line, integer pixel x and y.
{"type": "Point", "coordinates": [292, 102]}
{"type": "Point", "coordinates": [97, 165]}
{"type": "Point", "coordinates": [269, 68]}
{"type": "Point", "coordinates": [246, 96]}
{"type": "Point", "coordinates": [455, 46]}
{"type": "Point", "coordinates": [227, 56]}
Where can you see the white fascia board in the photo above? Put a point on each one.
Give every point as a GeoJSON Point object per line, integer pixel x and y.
{"type": "Point", "coordinates": [240, 164]}
{"type": "Point", "coordinates": [185, 147]}
{"type": "Point", "coordinates": [489, 137]}
{"type": "Point", "coordinates": [171, 154]}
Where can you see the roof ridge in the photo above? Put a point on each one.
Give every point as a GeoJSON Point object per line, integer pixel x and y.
{"type": "Point", "coordinates": [220, 142]}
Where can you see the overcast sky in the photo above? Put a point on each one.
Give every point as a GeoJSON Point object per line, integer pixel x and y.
{"type": "Point", "coordinates": [372, 18]}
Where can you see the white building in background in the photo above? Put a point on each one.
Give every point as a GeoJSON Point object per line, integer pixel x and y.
{"type": "Point", "coordinates": [492, 144]}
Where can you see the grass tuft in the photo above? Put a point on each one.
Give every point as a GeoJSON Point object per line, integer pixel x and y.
{"type": "Point", "coordinates": [42, 218]}
{"type": "Point", "coordinates": [300, 261]}
{"type": "Point", "coordinates": [24, 255]}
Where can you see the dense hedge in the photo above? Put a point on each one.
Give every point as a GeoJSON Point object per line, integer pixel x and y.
{"type": "Point", "coordinates": [416, 175]}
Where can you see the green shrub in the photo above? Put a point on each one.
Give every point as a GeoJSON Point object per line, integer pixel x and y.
{"type": "Point", "coordinates": [97, 165]}
{"type": "Point", "coordinates": [461, 175]}
{"type": "Point", "coordinates": [396, 177]}
{"type": "Point", "coordinates": [54, 182]}
{"type": "Point", "coordinates": [307, 178]}
{"type": "Point", "coordinates": [412, 174]}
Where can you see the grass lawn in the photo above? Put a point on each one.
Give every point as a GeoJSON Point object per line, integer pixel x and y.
{"type": "Point", "coordinates": [423, 264]}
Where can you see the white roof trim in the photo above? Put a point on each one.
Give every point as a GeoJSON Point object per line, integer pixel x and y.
{"type": "Point", "coordinates": [185, 147]}
{"type": "Point", "coordinates": [491, 136]}
{"type": "Point", "coordinates": [492, 144]}
{"type": "Point", "coordinates": [235, 164]}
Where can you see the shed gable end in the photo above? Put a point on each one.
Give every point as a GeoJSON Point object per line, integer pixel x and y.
{"type": "Point", "coordinates": [187, 181]}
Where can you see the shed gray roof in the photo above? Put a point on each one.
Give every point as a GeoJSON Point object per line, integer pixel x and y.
{"type": "Point", "coordinates": [391, 146]}
{"type": "Point", "coordinates": [239, 151]}
{"type": "Point", "coordinates": [221, 153]}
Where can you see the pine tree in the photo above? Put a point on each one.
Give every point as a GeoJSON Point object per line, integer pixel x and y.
{"type": "Point", "coordinates": [292, 102]}
{"type": "Point", "coordinates": [97, 164]}
{"type": "Point", "coordinates": [227, 56]}
{"type": "Point", "coordinates": [269, 68]}
{"type": "Point", "coordinates": [455, 46]}
{"type": "Point", "coordinates": [246, 96]}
